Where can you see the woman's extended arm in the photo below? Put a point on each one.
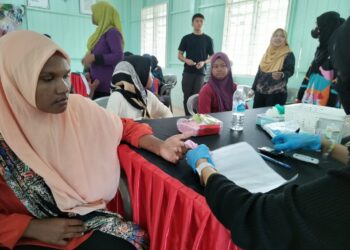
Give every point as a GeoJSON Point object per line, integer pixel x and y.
{"type": "Point", "coordinates": [294, 141]}
{"type": "Point", "coordinates": [141, 136]}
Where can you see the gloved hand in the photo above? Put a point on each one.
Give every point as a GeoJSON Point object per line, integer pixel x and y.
{"type": "Point", "coordinates": [292, 141]}
{"type": "Point", "coordinates": [200, 152]}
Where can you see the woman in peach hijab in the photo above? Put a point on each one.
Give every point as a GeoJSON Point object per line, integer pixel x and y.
{"type": "Point", "coordinates": [58, 161]}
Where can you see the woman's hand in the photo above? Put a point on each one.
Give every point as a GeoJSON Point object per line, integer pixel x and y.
{"type": "Point", "coordinates": [93, 86]}
{"type": "Point", "coordinates": [55, 231]}
{"type": "Point", "coordinates": [189, 62]}
{"type": "Point", "coordinates": [200, 155]}
{"type": "Point", "coordinates": [293, 141]}
{"type": "Point", "coordinates": [173, 148]}
{"type": "Point", "coordinates": [88, 59]}
{"type": "Point", "coordinates": [277, 75]}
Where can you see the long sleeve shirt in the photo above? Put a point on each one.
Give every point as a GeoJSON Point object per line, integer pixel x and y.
{"type": "Point", "coordinates": [14, 217]}
{"type": "Point", "coordinates": [319, 84]}
{"type": "Point", "coordinates": [108, 53]}
{"type": "Point", "coordinates": [208, 100]}
{"type": "Point", "coordinates": [119, 106]}
{"type": "Point", "coordinates": [331, 100]}
{"type": "Point", "coordinates": [265, 84]}
{"type": "Point", "coordinates": [311, 216]}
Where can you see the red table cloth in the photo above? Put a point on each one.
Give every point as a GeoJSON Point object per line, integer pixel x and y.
{"type": "Point", "coordinates": [175, 216]}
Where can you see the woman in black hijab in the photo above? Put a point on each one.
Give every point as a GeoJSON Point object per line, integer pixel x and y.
{"type": "Point", "coordinates": [318, 86]}
{"type": "Point", "coordinates": [315, 215]}
{"type": "Point", "coordinates": [130, 97]}
{"type": "Point", "coordinates": [340, 55]}
{"type": "Point", "coordinates": [157, 73]}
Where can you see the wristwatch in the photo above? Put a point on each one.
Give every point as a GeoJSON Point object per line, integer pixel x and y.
{"type": "Point", "coordinates": [202, 166]}
{"type": "Point", "coordinates": [329, 149]}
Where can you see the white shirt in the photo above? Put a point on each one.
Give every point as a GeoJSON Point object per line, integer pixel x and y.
{"type": "Point", "coordinates": [118, 105]}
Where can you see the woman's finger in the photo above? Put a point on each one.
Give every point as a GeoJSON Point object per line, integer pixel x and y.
{"type": "Point", "coordinates": [186, 135]}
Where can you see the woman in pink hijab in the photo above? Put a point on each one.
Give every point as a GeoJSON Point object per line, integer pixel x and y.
{"type": "Point", "coordinates": [216, 95]}
{"type": "Point", "coordinates": [58, 162]}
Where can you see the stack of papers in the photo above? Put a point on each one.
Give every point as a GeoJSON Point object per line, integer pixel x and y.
{"type": "Point", "coordinates": [243, 165]}
{"type": "Point", "coordinates": [276, 128]}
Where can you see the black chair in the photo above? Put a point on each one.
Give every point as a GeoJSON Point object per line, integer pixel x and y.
{"type": "Point", "coordinates": [165, 91]}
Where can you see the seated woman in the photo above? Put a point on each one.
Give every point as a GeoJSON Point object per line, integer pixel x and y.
{"type": "Point", "coordinates": [216, 94]}
{"type": "Point", "coordinates": [311, 216]}
{"type": "Point", "coordinates": [130, 97]}
{"type": "Point", "coordinates": [157, 74]}
{"type": "Point", "coordinates": [58, 163]}
{"type": "Point", "coordinates": [276, 67]}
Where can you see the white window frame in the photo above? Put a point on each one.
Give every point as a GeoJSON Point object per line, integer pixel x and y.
{"type": "Point", "coordinates": [152, 44]}
{"type": "Point", "coordinates": [251, 65]}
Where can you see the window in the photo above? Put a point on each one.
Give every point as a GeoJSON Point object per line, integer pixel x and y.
{"type": "Point", "coordinates": [153, 31]}
{"type": "Point", "coordinates": [248, 28]}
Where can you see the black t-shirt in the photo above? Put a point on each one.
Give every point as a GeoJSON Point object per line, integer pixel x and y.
{"type": "Point", "coordinates": [197, 48]}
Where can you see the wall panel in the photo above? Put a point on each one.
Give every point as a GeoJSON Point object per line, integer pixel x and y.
{"type": "Point", "coordinates": [71, 29]}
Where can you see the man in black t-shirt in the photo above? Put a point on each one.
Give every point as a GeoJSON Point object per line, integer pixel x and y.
{"type": "Point", "coordinates": [199, 48]}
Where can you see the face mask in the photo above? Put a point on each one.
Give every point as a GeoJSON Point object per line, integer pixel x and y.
{"type": "Point", "coordinates": [315, 33]}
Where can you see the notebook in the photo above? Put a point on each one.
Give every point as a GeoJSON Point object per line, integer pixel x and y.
{"type": "Point", "coordinates": [243, 165]}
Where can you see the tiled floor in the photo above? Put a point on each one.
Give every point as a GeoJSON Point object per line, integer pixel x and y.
{"type": "Point", "coordinates": [178, 111]}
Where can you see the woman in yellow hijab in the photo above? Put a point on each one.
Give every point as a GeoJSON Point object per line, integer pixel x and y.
{"type": "Point", "coordinates": [105, 46]}
{"type": "Point", "coordinates": [276, 66]}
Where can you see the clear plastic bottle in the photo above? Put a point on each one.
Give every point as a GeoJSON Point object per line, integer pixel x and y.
{"type": "Point", "coordinates": [238, 108]}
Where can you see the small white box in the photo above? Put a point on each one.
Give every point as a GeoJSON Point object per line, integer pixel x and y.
{"type": "Point", "coordinates": [317, 119]}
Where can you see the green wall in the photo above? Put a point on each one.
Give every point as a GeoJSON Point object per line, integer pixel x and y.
{"type": "Point", "coordinates": [302, 18]}
{"type": "Point", "coordinates": [65, 24]}
{"type": "Point", "coordinates": [71, 30]}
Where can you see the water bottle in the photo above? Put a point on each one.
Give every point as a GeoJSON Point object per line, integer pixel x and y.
{"type": "Point", "coordinates": [238, 108]}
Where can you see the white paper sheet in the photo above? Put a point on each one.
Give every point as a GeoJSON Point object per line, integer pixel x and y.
{"type": "Point", "coordinates": [243, 165]}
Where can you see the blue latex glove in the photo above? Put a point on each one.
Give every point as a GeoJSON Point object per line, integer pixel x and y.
{"type": "Point", "coordinates": [293, 141]}
{"type": "Point", "coordinates": [200, 152]}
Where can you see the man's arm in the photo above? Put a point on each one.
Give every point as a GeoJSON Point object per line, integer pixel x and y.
{"type": "Point", "coordinates": [182, 58]}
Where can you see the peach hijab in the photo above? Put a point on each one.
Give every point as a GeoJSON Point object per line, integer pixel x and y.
{"type": "Point", "coordinates": [75, 151]}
